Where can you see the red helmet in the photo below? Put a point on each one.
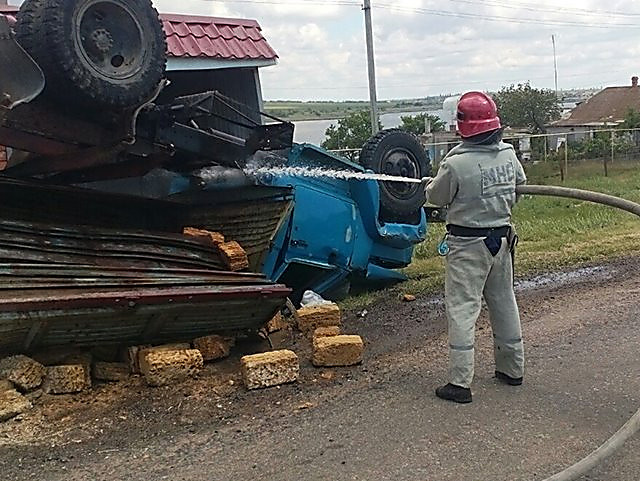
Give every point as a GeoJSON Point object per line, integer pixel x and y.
{"type": "Point", "coordinates": [477, 114]}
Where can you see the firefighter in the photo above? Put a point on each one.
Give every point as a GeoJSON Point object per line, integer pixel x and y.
{"type": "Point", "coordinates": [477, 183]}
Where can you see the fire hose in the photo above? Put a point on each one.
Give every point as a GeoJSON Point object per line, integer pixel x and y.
{"type": "Point", "coordinates": [615, 442]}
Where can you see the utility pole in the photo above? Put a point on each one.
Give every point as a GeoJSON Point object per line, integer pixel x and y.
{"type": "Point", "coordinates": [555, 62]}
{"type": "Point", "coordinates": [373, 96]}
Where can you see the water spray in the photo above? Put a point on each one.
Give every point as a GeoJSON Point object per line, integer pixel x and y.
{"type": "Point", "coordinates": [320, 172]}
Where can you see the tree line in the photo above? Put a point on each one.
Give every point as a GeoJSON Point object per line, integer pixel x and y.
{"type": "Point", "coordinates": [520, 105]}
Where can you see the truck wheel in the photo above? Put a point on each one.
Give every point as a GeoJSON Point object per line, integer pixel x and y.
{"type": "Point", "coordinates": [398, 153]}
{"type": "Point", "coordinates": [108, 53]}
{"type": "Point", "coordinates": [28, 21]}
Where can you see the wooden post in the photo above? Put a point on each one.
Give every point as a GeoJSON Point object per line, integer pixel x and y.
{"type": "Point", "coordinates": [613, 137]}
{"type": "Point", "coordinates": [566, 157]}
{"type": "Point", "coordinates": [564, 147]}
{"type": "Point", "coordinates": [373, 95]}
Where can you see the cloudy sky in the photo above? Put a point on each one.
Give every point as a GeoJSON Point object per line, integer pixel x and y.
{"type": "Point", "coordinates": [428, 47]}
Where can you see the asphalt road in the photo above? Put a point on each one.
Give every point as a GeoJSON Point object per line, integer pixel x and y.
{"type": "Point", "coordinates": [381, 420]}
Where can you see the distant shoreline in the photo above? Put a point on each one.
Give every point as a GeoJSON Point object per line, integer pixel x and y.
{"type": "Point", "coordinates": [343, 114]}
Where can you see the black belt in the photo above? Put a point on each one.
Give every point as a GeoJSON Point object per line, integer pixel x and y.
{"type": "Point", "coordinates": [460, 231]}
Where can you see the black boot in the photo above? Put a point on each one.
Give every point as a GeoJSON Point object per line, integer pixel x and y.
{"type": "Point", "coordinates": [511, 381]}
{"type": "Point", "coordinates": [454, 393]}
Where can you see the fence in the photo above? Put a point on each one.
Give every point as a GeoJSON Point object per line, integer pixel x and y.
{"type": "Point", "coordinates": [605, 145]}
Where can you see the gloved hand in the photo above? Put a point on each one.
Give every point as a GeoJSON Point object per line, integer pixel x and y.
{"type": "Point", "coordinates": [426, 181]}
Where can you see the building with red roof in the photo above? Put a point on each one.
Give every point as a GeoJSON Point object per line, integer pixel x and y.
{"type": "Point", "coordinates": [195, 42]}
{"type": "Point", "coordinates": [605, 110]}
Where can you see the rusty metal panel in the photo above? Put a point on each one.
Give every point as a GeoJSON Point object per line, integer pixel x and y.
{"type": "Point", "coordinates": [253, 224]}
{"type": "Point", "coordinates": [42, 243]}
{"type": "Point", "coordinates": [47, 204]}
{"type": "Point", "coordinates": [250, 215]}
{"type": "Point", "coordinates": [86, 285]}
{"type": "Point", "coordinates": [31, 319]}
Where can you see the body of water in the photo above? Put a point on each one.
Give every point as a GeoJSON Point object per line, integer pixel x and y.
{"type": "Point", "coordinates": [312, 131]}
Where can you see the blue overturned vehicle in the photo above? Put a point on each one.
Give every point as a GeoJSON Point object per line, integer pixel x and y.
{"type": "Point", "coordinates": [340, 231]}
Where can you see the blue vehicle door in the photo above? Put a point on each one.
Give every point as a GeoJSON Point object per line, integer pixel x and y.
{"type": "Point", "coordinates": [323, 229]}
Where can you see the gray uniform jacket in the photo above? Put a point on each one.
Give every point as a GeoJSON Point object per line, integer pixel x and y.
{"type": "Point", "coordinates": [477, 184]}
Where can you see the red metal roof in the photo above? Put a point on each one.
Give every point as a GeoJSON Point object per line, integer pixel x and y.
{"type": "Point", "coordinates": [206, 37]}
{"type": "Point", "coordinates": [607, 106]}
{"type": "Point", "coordinates": [215, 38]}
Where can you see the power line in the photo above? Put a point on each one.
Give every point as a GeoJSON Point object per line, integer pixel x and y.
{"type": "Point", "coordinates": [488, 17]}
{"type": "Point", "coordinates": [292, 2]}
{"type": "Point", "coordinates": [502, 18]}
{"type": "Point", "coordinates": [550, 9]}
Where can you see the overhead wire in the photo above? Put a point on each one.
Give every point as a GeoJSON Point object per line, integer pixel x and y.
{"type": "Point", "coordinates": [536, 7]}
{"type": "Point", "coordinates": [448, 13]}
{"type": "Point", "coordinates": [501, 18]}
{"type": "Point", "coordinates": [349, 3]}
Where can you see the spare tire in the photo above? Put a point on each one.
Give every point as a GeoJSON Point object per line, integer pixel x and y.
{"type": "Point", "coordinates": [28, 23]}
{"type": "Point", "coordinates": [399, 153]}
{"type": "Point", "coordinates": [95, 53]}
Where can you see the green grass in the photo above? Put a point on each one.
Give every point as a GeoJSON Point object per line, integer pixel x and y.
{"type": "Point", "coordinates": [554, 233]}
{"type": "Point", "coordinates": [292, 110]}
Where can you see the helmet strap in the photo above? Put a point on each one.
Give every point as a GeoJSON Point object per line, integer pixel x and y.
{"type": "Point", "coordinates": [486, 138]}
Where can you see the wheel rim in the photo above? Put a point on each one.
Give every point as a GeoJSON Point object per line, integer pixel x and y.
{"type": "Point", "coordinates": [401, 163]}
{"type": "Point", "coordinates": [110, 39]}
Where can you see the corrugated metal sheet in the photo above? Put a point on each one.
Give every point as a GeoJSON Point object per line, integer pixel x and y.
{"type": "Point", "coordinates": [220, 38]}
{"type": "Point", "coordinates": [35, 319]}
{"type": "Point", "coordinates": [246, 215]}
{"type": "Point", "coordinates": [42, 243]}
{"type": "Point", "coordinates": [50, 204]}
{"type": "Point", "coordinates": [60, 286]}
{"type": "Point", "coordinates": [83, 285]}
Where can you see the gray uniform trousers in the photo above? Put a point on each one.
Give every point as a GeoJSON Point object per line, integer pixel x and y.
{"type": "Point", "coordinates": [471, 273]}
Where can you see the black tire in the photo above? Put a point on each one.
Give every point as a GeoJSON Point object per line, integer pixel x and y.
{"type": "Point", "coordinates": [95, 53]}
{"type": "Point", "coordinates": [28, 21]}
{"type": "Point", "coordinates": [399, 153]}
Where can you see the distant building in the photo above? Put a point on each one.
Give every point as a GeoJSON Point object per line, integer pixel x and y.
{"type": "Point", "coordinates": [450, 113]}
{"type": "Point", "coordinates": [607, 108]}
